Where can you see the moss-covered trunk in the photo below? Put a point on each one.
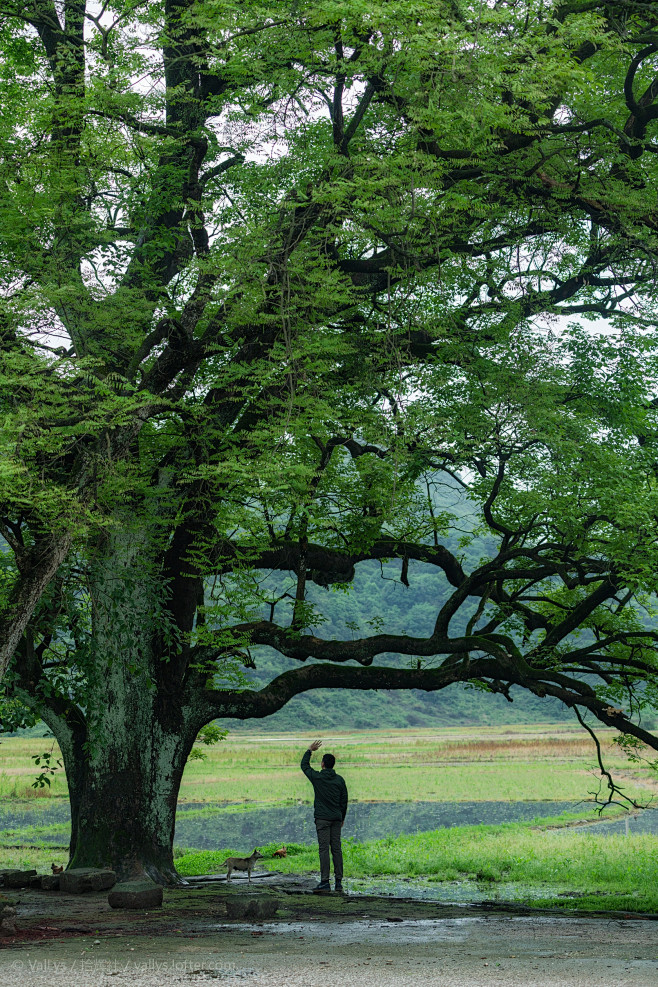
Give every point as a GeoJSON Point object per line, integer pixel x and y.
{"type": "Point", "coordinates": [123, 807]}
{"type": "Point", "coordinates": [126, 746]}
{"type": "Point", "coordinates": [124, 777]}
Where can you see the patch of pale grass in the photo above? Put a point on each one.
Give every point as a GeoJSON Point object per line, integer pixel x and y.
{"type": "Point", "coordinates": [486, 781]}
{"type": "Point", "coordinates": [448, 764]}
{"type": "Point", "coordinates": [32, 858]}
{"type": "Point", "coordinates": [19, 785]}
{"type": "Point", "coordinates": [19, 771]}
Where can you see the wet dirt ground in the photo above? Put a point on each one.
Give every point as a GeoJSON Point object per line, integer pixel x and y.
{"type": "Point", "coordinates": [318, 940]}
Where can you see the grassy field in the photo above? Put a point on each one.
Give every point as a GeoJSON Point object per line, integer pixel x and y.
{"type": "Point", "coordinates": [580, 870]}
{"type": "Point", "coordinates": [553, 763]}
{"type": "Point", "coordinates": [515, 763]}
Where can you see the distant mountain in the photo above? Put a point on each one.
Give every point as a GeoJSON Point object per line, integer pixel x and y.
{"type": "Point", "coordinates": [377, 595]}
{"type": "Point", "coordinates": [458, 705]}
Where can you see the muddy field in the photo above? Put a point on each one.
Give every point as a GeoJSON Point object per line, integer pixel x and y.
{"type": "Point", "coordinates": [79, 940]}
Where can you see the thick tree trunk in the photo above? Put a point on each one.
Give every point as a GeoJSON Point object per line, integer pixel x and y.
{"type": "Point", "coordinates": [124, 781]}
{"type": "Point", "coordinates": [125, 754]}
{"type": "Point", "coordinates": [125, 810]}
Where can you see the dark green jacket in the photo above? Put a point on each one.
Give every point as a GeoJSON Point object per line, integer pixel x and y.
{"type": "Point", "coordinates": [330, 791]}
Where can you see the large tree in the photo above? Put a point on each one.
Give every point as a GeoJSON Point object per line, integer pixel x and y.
{"type": "Point", "coordinates": [271, 273]}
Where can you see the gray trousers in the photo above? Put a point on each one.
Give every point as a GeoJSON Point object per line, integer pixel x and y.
{"type": "Point", "coordinates": [329, 839]}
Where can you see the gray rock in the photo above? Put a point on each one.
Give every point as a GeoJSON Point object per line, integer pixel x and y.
{"type": "Point", "coordinates": [238, 907]}
{"type": "Point", "coordinates": [135, 894]}
{"type": "Point", "coordinates": [81, 879]}
{"type": "Point", "coordinates": [102, 880]}
{"type": "Point", "coordinates": [50, 882]}
{"type": "Point", "coordinates": [267, 907]}
{"type": "Point", "coordinates": [19, 878]}
{"type": "Point", "coordinates": [7, 917]}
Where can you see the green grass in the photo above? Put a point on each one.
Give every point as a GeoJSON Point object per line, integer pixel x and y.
{"type": "Point", "coordinates": [32, 857]}
{"type": "Point", "coordinates": [539, 780]}
{"type": "Point", "coordinates": [535, 762]}
{"type": "Point", "coordinates": [603, 872]}
{"type": "Point", "coordinates": [450, 764]}
{"type": "Point", "coordinates": [35, 835]}
{"type": "Point", "coordinates": [443, 765]}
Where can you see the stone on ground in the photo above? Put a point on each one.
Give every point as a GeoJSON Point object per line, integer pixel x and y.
{"type": "Point", "coordinates": [237, 907]}
{"type": "Point", "coordinates": [81, 879]}
{"type": "Point", "coordinates": [7, 917]}
{"type": "Point", "coordinates": [50, 882]}
{"type": "Point", "coordinates": [135, 894]}
{"type": "Point", "coordinates": [18, 878]}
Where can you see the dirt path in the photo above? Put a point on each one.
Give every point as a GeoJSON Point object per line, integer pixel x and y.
{"type": "Point", "coordinates": [315, 942]}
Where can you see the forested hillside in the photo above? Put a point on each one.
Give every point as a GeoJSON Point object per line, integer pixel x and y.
{"type": "Point", "coordinates": [378, 595]}
{"type": "Point", "coordinates": [381, 595]}
{"type": "Point", "coordinates": [457, 705]}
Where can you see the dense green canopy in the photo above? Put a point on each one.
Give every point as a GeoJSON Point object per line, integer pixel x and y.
{"type": "Point", "coordinates": [277, 281]}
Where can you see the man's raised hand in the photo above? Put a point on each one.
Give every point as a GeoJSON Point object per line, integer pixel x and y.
{"type": "Point", "coordinates": [315, 745]}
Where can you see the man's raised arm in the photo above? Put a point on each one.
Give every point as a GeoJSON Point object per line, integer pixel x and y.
{"type": "Point", "coordinates": [306, 759]}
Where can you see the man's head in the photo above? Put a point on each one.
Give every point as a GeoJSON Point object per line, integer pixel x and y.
{"type": "Point", "coordinates": [328, 761]}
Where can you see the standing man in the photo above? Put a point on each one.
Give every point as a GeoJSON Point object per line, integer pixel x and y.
{"type": "Point", "coordinates": [329, 810]}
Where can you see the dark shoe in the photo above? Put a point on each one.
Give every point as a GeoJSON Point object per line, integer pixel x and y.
{"type": "Point", "coordinates": [339, 887]}
{"type": "Point", "coordinates": [322, 888]}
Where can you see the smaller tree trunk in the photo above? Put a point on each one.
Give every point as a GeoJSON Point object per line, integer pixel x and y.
{"type": "Point", "coordinates": [39, 568]}
{"type": "Point", "coordinates": [125, 755]}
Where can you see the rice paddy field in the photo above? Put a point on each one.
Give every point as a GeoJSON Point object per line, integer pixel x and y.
{"type": "Point", "coordinates": [555, 860]}
{"type": "Point", "coordinates": [519, 763]}
{"type": "Point", "coordinates": [503, 763]}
